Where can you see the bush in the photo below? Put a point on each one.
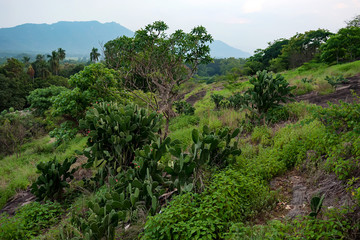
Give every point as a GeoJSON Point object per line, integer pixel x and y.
{"type": "Point", "coordinates": [267, 92]}
{"type": "Point", "coordinates": [16, 128]}
{"type": "Point", "coordinates": [29, 220]}
{"type": "Point", "coordinates": [94, 84]}
{"type": "Point", "coordinates": [115, 132]}
{"type": "Point", "coordinates": [40, 99]}
{"type": "Point", "coordinates": [53, 179]}
{"type": "Point", "coordinates": [183, 107]}
{"type": "Point", "coordinates": [230, 197]}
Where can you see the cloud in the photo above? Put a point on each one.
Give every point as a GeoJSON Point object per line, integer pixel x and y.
{"type": "Point", "coordinates": [341, 5]}
{"type": "Point", "coordinates": [235, 20]}
{"type": "Point", "coordinates": [253, 6]}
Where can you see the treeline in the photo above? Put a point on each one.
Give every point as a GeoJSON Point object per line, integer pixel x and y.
{"type": "Point", "coordinates": [320, 46]}
{"type": "Point", "coordinates": [19, 78]}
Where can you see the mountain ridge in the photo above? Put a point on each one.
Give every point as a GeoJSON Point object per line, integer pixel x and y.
{"type": "Point", "coordinates": [78, 38]}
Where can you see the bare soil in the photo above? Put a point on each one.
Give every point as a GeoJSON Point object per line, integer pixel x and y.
{"type": "Point", "coordinates": [343, 93]}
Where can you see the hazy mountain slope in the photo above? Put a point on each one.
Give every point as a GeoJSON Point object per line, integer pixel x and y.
{"type": "Point", "coordinates": [78, 38]}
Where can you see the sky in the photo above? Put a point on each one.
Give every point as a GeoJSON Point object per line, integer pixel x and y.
{"type": "Point", "coordinates": [244, 24]}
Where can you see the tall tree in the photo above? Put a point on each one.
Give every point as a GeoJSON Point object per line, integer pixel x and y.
{"type": "Point", "coordinates": [94, 55]}
{"type": "Point", "coordinates": [41, 67]}
{"type": "Point", "coordinates": [61, 54]}
{"type": "Point", "coordinates": [54, 62]}
{"type": "Point", "coordinates": [160, 61]}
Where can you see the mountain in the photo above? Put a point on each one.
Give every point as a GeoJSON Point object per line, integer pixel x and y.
{"type": "Point", "coordinates": [77, 38]}
{"type": "Point", "coordinates": [219, 49]}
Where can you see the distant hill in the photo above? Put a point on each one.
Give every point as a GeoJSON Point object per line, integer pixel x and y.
{"type": "Point", "coordinates": [77, 38]}
{"type": "Point", "coordinates": [219, 49]}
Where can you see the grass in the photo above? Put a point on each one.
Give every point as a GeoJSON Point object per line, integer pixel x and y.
{"type": "Point", "coordinates": [18, 173]}
{"type": "Point", "coordinates": [318, 71]}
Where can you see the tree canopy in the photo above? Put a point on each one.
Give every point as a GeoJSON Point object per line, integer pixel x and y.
{"type": "Point", "coordinates": [156, 62]}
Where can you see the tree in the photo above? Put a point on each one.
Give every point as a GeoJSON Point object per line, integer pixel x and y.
{"type": "Point", "coordinates": [54, 62]}
{"type": "Point", "coordinates": [158, 63]}
{"type": "Point", "coordinates": [355, 22]}
{"type": "Point", "coordinates": [61, 54]}
{"type": "Point", "coordinates": [41, 67]}
{"type": "Point", "coordinates": [343, 46]}
{"type": "Point", "coordinates": [94, 55]}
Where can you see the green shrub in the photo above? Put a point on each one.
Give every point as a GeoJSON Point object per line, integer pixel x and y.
{"type": "Point", "coordinates": [336, 80]}
{"type": "Point", "coordinates": [17, 128]}
{"type": "Point", "coordinates": [267, 92]}
{"type": "Point", "coordinates": [53, 179]}
{"type": "Point", "coordinates": [93, 84]}
{"type": "Point", "coordinates": [115, 132]}
{"type": "Point", "coordinates": [29, 220]}
{"type": "Point", "coordinates": [183, 107]}
{"type": "Point", "coordinates": [230, 197]}
{"type": "Point", "coordinates": [341, 117]}
{"type": "Point", "coordinates": [262, 135]}
{"type": "Point", "coordinates": [40, 99]}
{"type": "Point", "coordinates": [217, 98]}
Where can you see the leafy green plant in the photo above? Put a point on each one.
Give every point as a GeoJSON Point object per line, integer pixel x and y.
{"type": "Point", "coordinates": [64, 133]}
{"type": "Point", "coordinates": [306, 80]}
{"type": "Point", "coordinates": [210, 148]}
{"type": "Point", "coordinates": [183, 107]}
{"type": "Point", "coordinates": [29, 220]}
{"type": "Point", "coordinates": [267, 92]}
{"type": "Point", "coordinates": [236, 101]}
{"type": "Point", "coordinates": [93, 84]}
{"type": "Point", "coordinates": [315, 205]}
{"type": "Point", "coordinates": [53, 178]}
{"type": "Point", "coordinates": [336, 80]}
{"type": "Point", "coordinates": [342, 117]}
{"type": "Point", "coordinates": [115, 132]}
{"type": "Point", "coordinates": [100, 222]}
{"type": "Point", "coordinates": [217, 98]}
{"type": "Point", "coordinates": [230, 197]}
{"type": "Point", "coordinates": [40, 99]}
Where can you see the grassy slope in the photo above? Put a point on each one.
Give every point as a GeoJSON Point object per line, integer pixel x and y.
{"type": "Point", "coordinates": [18, 173]}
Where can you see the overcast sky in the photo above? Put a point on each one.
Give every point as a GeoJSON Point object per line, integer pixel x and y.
{"type": "Point", "coordinates": [244, 24]}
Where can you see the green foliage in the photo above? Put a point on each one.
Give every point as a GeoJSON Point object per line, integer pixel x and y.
{"type": "Point", "coordinates": [100, 223]}
{"type": "Point", "coordinates": [315, 205]}
{"type": "Point", "coordinates": [183, 107]}
{"type": "Point", "coordinates": [115, 132]}
{"type": "Point", "coordinates": [40, 99]}
{"type": "Point", "coordinates": [94, 83]}
{"type": "Point", "coordinates": [16, 128]}
{"type": "Point", "coordinates": [64, 133]}
{"type": "Point", "coordinates": [211, 148]}
{"type": "Point", "coordinates": [29, 220]}
{"type": "Point", "coordinates": [343, 46]}
{"type": "Point", "coordinates": [156, 62]}
{"type": "Point", "coordinates": [230, 197]}
{"type": "Point", "coordinates": [334, 81]}
{"type": "Point", "coordinates": [342, 117]}
{"type": "Point", "coordinates": [53, 179]}
{"type": "Point", "coordinates": [267, 93]}
{"type": "Point", "coordinates": [217, 98]}
{"type": "Point", "coordinates": [300, 228]}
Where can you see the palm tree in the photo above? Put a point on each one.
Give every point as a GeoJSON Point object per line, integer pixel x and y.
{"type": "Point", "coordinates": [61, 54]}
{"type": "Point", "coordinates": [26, 60]}
{"type": "Point", "coordinates": [94, 55]}
{"type": "Point", "coordinates": [54, 62]}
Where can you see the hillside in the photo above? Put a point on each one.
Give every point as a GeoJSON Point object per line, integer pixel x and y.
{"type": "Point", "coordinates": [78, 38]}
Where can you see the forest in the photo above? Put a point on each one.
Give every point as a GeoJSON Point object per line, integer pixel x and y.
{"type": "Point", "coordinates": [152, 138]}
